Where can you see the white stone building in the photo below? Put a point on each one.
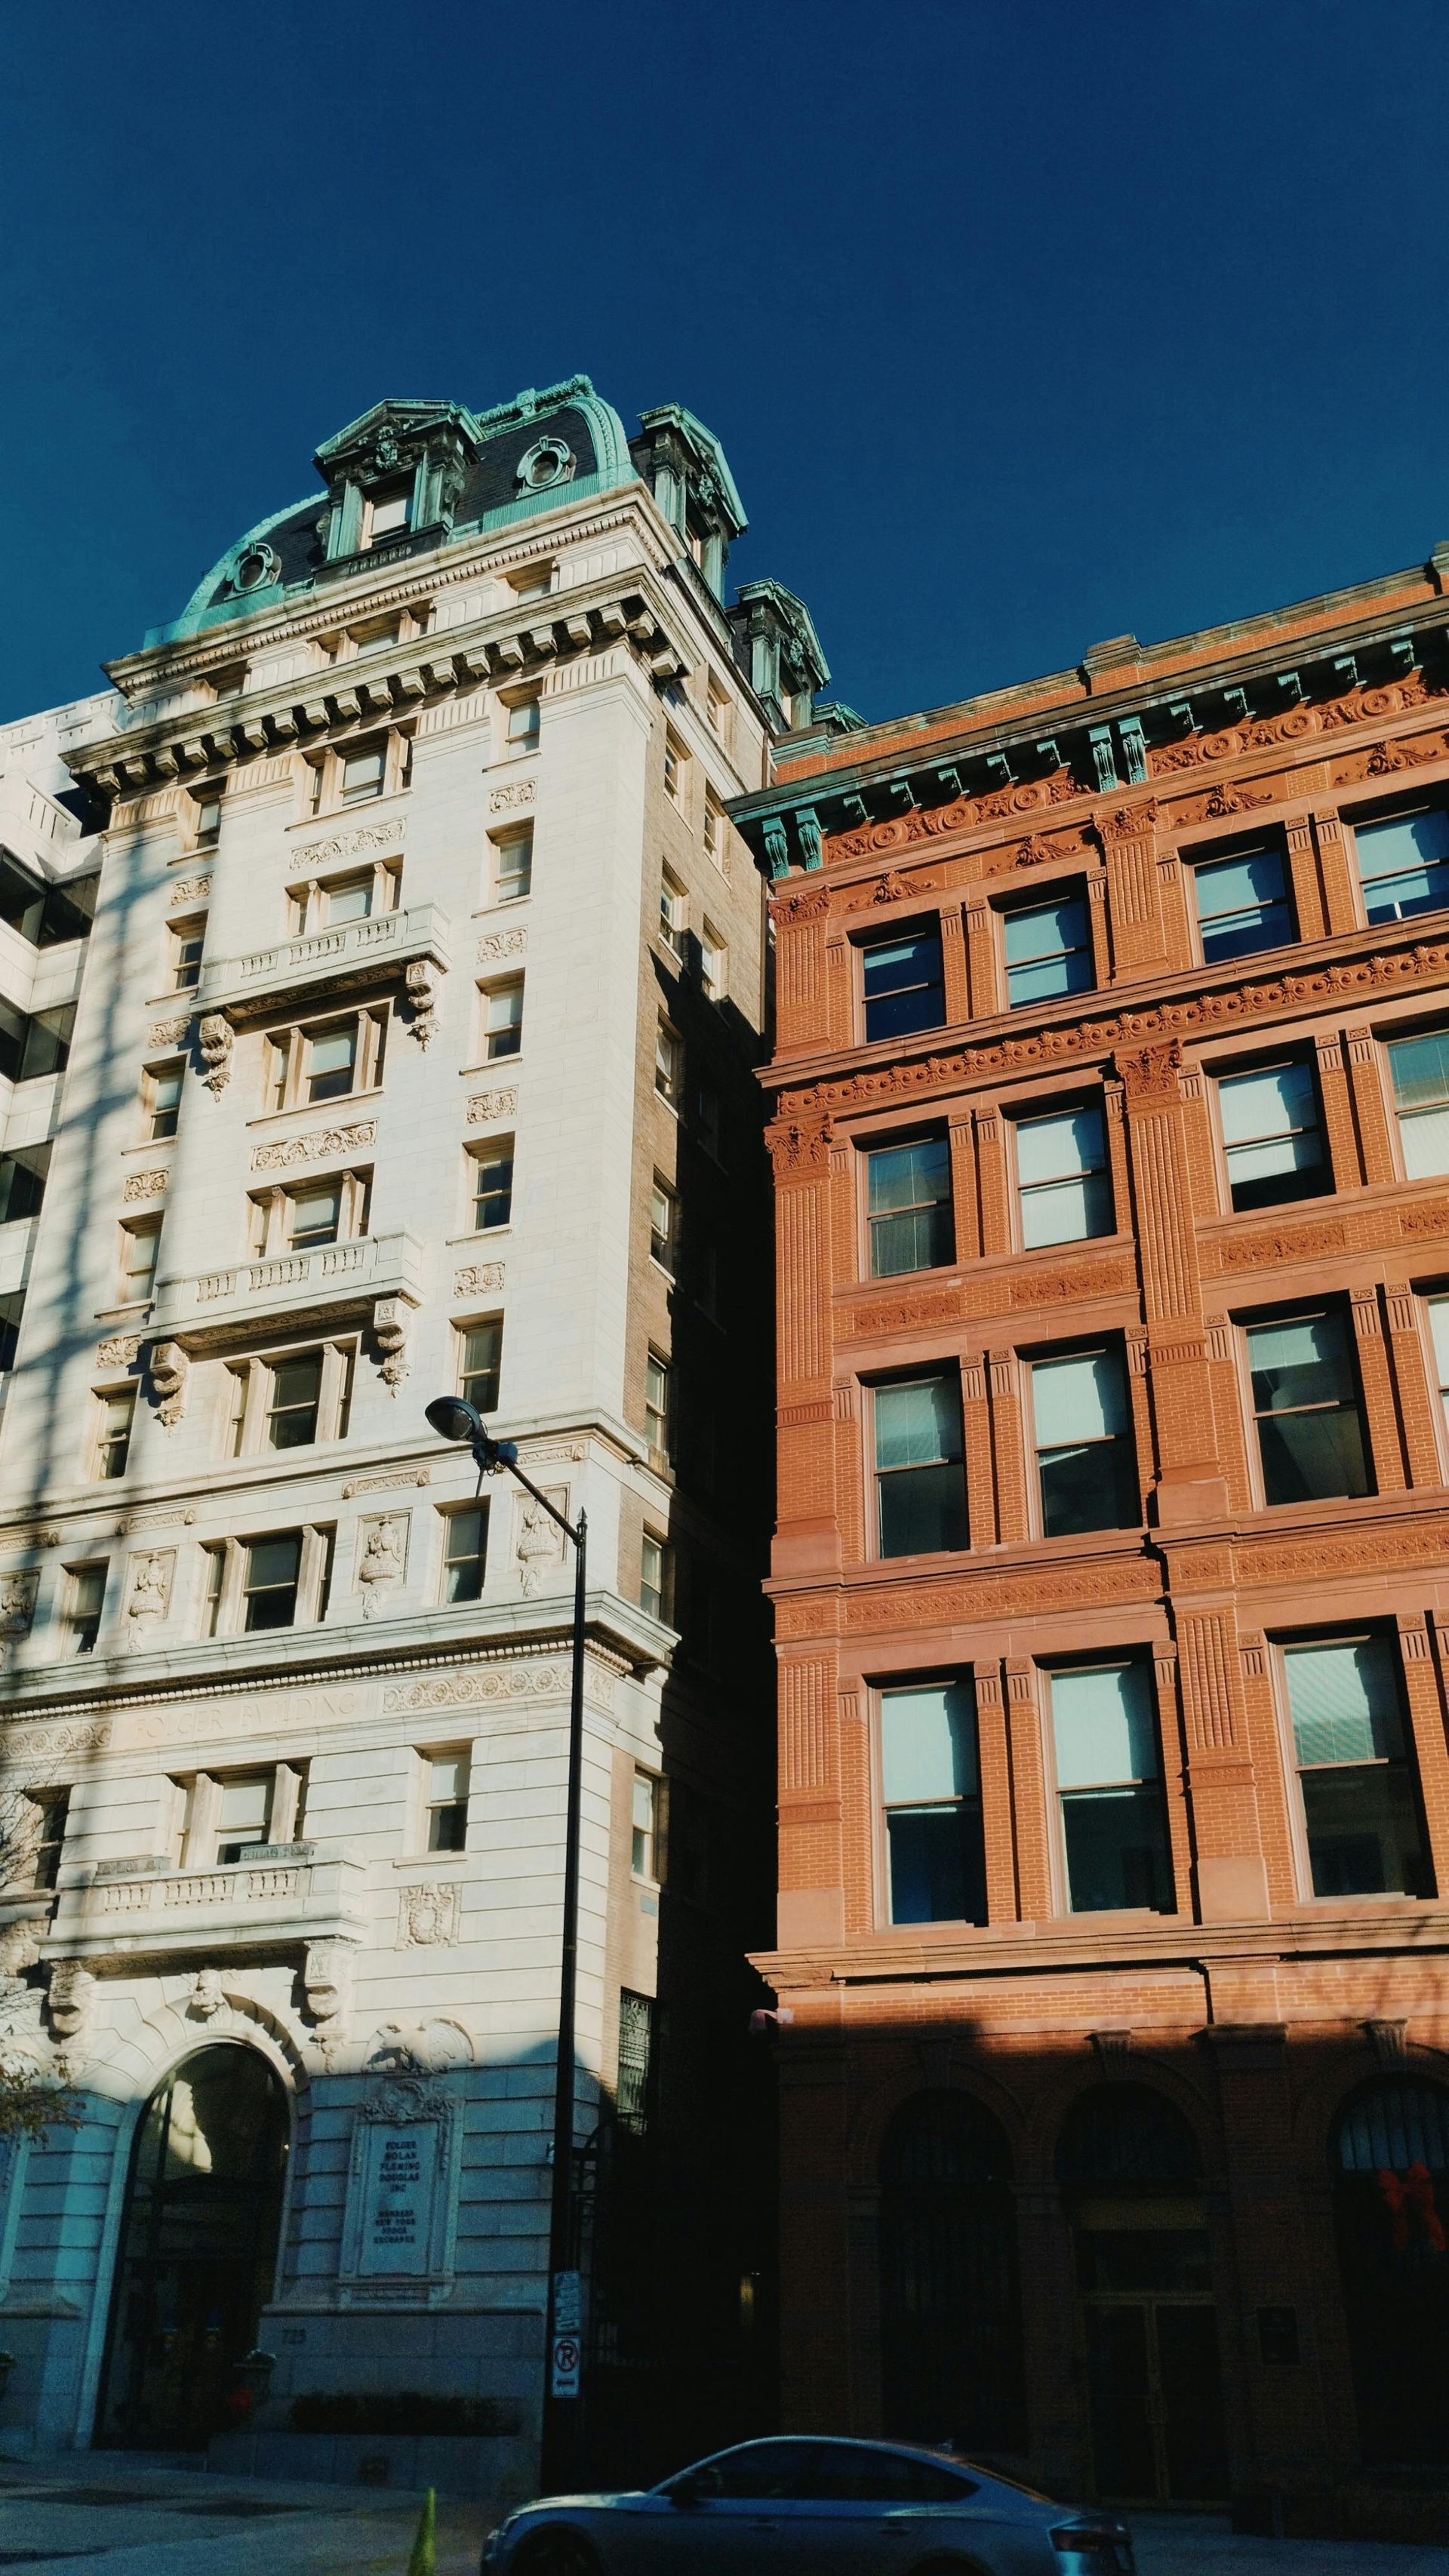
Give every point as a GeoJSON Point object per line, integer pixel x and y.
{"type": "Point", "coordinates": [414, 1051]}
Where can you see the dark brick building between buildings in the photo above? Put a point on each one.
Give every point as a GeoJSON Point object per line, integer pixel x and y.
{"type": "Point", "coordinates": [1111, 1143]}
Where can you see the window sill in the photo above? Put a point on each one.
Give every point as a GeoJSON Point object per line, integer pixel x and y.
{"type": "Point", "coordinates": [323, 1111]}
{"type": "Point", "coordinates": [497, 1069]}
{"type": "Point", "coordinates": [332, 817]}
{"type": "Point", "coordinates": [449, 1861]}
{"type": "Point", "coordinates": [489, 1234]}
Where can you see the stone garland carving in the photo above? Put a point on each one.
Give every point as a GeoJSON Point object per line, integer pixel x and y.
{"type": "Point", "coordinates": [323, 1142]}
{"type": "Point", "coordinates": [121, 1351]}
{"type": "Point", "coordinates": [486, 1106]}
{"type": "Point", "coordinates": [390, 1320]}
{"type": "Point", "coordinates": [168, 1033]}
{"type": "Point", "coordinates": [383, 1561]}
{"type": "Point", "coordinates": [189, 890]}
{"type": "Point", "coordinates": [327, 1974]}
{"type": "Point", "coordinates": [1297, 1243]}
{"type": "Point", "coordinates": [507, 800]}
{"type": "Point", "coordinates": [345, 845]}
{"type": "Point", "coordinates": [31, 1538]}
{"type": "Point", "coordinates": [418, 2048]}
{"type": "Point", "coordinates": [129, 1523]}
{"type": "Point", "coordinates": [422, 982]}
{"type": "Point", "coordinates": [427, 1915]}
{"type": "Point", "coordinates": [143, 1185]}
{"type": "Point", "coordinates": [149, 1597]}
{"type": "Point", "coordinates": [387, 1484]}
{"type": "Point", "coordinates": [480, 1278]}
{"type": "Point", "coordinates": [170, 1375]}
{"type": "Point", "coordinates": [216, 1038]}
{"type": "Point", "coordinates": [477, 1689]}
{"type": "Point", "coordinates": [501, 943]}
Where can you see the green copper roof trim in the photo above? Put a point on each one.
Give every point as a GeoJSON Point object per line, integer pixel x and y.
{"type": "Point", "coordinates": [191, 621]}
{"type": "Point", "coordinates": [706, 446]}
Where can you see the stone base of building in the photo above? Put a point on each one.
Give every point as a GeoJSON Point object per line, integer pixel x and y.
{"type": "Point", "coordinates": [500, 2470]}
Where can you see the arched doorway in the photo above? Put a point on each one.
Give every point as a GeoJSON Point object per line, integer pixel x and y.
{"type": "Point", "coordinates": [1391, 2211]}
{"type": "Point", "coordinates": [198, 2249]}
{"type": "Point", "coordinates": [1129, 2166]}
{"type": "Point", "coordinates": [950, 2302]}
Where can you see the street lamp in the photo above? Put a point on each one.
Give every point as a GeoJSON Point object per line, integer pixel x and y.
{"type": "Point", "coordinates": [453, 1418]}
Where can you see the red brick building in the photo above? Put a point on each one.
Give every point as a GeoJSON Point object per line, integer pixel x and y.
{"type": "Point", "coordinates": [1111, 1146]}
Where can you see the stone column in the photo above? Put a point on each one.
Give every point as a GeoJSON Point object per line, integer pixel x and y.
{"type": "Point", "coordinates": [1423, 1689]}
{"type": "Point", "coordinates": [807, 1536]}
{"type": "Point", "coordinates": [1382, 1426]}
{"type": "Point", "coordinates": [953, 964]}
{"type": "Point", "coordinates": [995, 1761]}
{"type": "Point", "coordinates": [800, 1004]}
{"type": "Point", "coordinates": [1190, 1479]}
{"type": "Point", "coordinates": [986, 995]}
{"type": "Point", "coordinates": [1232, 1879]}
{"type": "Point", "coordinates": [1007, 1448]}
{"type": "Point", "coordinates": [1337, 1114]}
{"type": "Point", "coordinates": [976, 1442]}
{"type": "Point", "coordinates": [1336, 876]}
{"type": "Point", "coordinates": [965, 1201]}
{"type": "Point", "coordinates": [994, 1181]}
{"type": "Point", "coordinates": [1418, 1404]}
{"type": "Point", "coordinates": [1028, 1793]}
{"type": "Point", "coordinates": [811, 1899]}
{"type": "Point", "coordinates": [1368, 1102]}
{"type": "Point", "coordinates": [1303, 877]}
{"type": "Point", "coordinates": [1129, 847]}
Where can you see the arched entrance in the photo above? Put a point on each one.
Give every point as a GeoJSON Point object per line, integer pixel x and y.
{"type": "Point", "coordinates": [1391, 2213]}
{"type": "Point", "coordinates": [198, 2249]}
{"type": "Point", "coordinates": [1129, 2166]}
{"type": "Point", "coordinates": [950, 2302]}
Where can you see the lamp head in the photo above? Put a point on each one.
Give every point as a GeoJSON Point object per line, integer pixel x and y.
{"type": "Point", "coordinates": [453, 1418]}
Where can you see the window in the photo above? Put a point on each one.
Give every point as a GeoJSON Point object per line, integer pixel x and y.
{"type": "Point", "coordinates": [1271, 1136]}
{"type": "Point", "coordinates": [294, 1394]}
{"type": "Point", "coordinates": [243, 1811]}
{"type": "Point", "coordinates": [85, 1595]}
{"type": "Point", "coordinates": [347, 899]}
{"type": "Point", "coordinates": [534, 582]}
{"type": "Point", "coordinates": [447, 1802]}
{"type": "Point", "coordinates": [673, 767]}
{"type": "Point", "coordinates": [636, 2060]}
{"type": "Point", "coordinates": [1242, 905]}
{"type": "Point", "coordinates": [903, 984]}
{"type": "Point", "coordinates": [465, 1552]}
{"type": "Point", "coordinates": [706, 1118]}
{"type": "Point", "coordinates": [35, 1043]}
{"type": "Point", "coordinates": [658, 1426]}
{"type": "Point", "coordinates": [668, 1064]}
{"type": "Point", "coordinates": [1114, 1837]}
{"type": "Point", "coordinates": [362, 773]}
{"type": "Point", "coordinates": [42, 1834]}
{"type": "Point", "coordinates": [655, 1576]}
{"type": "Point", "coordinates": [314, 1215]}
{"type": "Point", "coordinates": [713, 824]}
{"type": "Point", "coordinates": [644, 1825]}
{"type": "Point", "coordinates": [388, 515]}
{"type": "Point", "coordinates": [503, 1019]}
{"type": "Point", "coordinates": [140, 1246]}
{"type": "Point", "coordinates": [271, 1572]}
{"type": "Point", "coordinates": [673, 915]}
{"type": "Point", "coordinates": [1419, 1068]}
{"type": "Point", "coordinates": [514, 869]}
{"type": "Point", "coordinates": [1360, 1814]}
{"type": "Point", "coordinates": [1086, 1469]}
{"type": "Point", "coordinates": [908, 1192]}
{"type": "Point", "coordinates": [1305, 1398]}
{"type": "Point", "coordinates": [920, 1481]}
{"type": "Point", "coordinates": [935, 1857]}
{"type": "Point", "coordinates": [23, 1176]}
{"type": "Point", "coordinates": [523, 721]}
{"type": "Point", "coordinates": [45, 914]}
{"type": "Point", "coordinates": [331, 1061]}
{"type": "Point", "coordinates": [714, 964]}
{"type": "Point", "coordinates": [1439, 1327]}
{"type": "Point", "coordinates": [663, 1225]}
{"type": "Point", "coordinates": [185, 941]}
{"type": "Point", "coordinates": [206, 817]}
{"type": "Point", "coordinates": [11, 1309]}
{"type": "Point", "coordinates": [482, 1359]}
{"type": "Point", "coordinates": [1048, 952]}
{"type": "Point", "coordinates": [161, 1098]}
{"type": "Point", "coordinates": [492, 1185]}
{"type": "Point", "coordinates": [1403, 864]}
{"type": "Point", "coordinates": [334, 1210]}
{"type": "Point", "coordinates": [1064, 1187]}
{"type": "Point", "coordinates": [114, 1415]}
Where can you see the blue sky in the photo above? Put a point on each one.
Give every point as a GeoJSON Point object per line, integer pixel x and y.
{"type": "Point", "coordinates": [1022, 322]}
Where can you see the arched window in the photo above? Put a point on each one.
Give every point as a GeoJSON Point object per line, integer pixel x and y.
{"type": "Point", "coordinates": [1390, 2160]}
{"type": "Point", "coordinates": [198, 2249]}
{"type": "Point", "coordinates": [950, 2302]}
{"type": "Point", "coordinates": [1127, 2133]}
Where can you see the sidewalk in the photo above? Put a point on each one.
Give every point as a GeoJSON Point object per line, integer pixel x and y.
{"type": "Point", "coordinates": [1200, 2544]}
{"type": "Point", "coordinates": [112, 2513]}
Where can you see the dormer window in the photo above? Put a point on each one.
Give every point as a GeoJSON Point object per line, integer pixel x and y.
{"type": "Point", "coordinates": [547, 462]}
{"type": "Point", "coordinates": [387, 516]}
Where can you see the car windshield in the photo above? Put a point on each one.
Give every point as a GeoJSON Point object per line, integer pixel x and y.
{"type": "Point", "coordinates": [803, 2468]}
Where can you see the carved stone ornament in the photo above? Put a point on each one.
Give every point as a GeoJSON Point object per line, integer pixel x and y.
{"type": "Point", "coordinates": [121, 1352]}
{"type": "Point", "coordinates": [170, 1376]}
{"type": "Point", "coordinates": [487, 1683]}
{"type": "Point", "coordinates": [143, 1185]}
{"type": "Point", "coordinates": [17, 1604]}
{"type": "Point", "coordinates": [540, 1543]}
{"type": "Point", "coordinates": [418, 2048]}
{"type": "Point", "coordinates": [481, 1278]}
{"type": "Point", "coordinates": [19, 1950]}
{"type": "Point", "coordinates": [391, 1317]}
{"type": "Point", "coordinates": [318, 1147]}
{"type": "Point", "coordinates": [797, 1148]}
{"type": "Point", "coordinates": [1150, 1073]}
{"type": "Point", "coordinates": [188, 890]}
{"type": "Point", "coordinates": [487, 1106]}
{"type": "Point", "coordinates": [427, 1915]}
{"type": "Point", "coordinates": [506, 800]}
{"type": "Point", "coordinates": [149, 1595]}
{"type": "Point", "coordinates": [168, 1033]}
{"type": "Point", "coordinates": [501, 943]}
{"type": "Point", "coordinates": [346, 845]}
{"type": "Point", "coordinates": [71, 2005]}
{"type": "Point", "coordinates": [383, 1561]}
{"type": "Point", "coordinates": [422, 992]}
{"type": "Point", "coordinates": [327, 1975]}
{"type": "Point", "coordinates": [216, 1038]}
{"type": "Point", "coordinates": [206, 1998]}
{"type": "Point", "coordinates": [389, 1484]}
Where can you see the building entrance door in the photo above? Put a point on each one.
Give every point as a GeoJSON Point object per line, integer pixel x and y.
{"type": "Point", "coordinates": [198, 2250]}
{"type": "Point", "coordinates": [1156, 2399]}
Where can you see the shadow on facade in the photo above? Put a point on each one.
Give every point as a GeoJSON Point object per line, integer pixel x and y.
{"type": "Point", "coordinates": [1155, 2267]}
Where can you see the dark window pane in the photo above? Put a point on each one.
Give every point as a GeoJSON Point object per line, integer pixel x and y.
{"type": "Point", "coordinates": [1310, 1457]}
{"type": "Point", "coordinates": [68, 911]}
{"type": "Point", "coordinates": [1116, 1850]}
{"type": "Point", "coordinates": [937, 1866]}
{"type": "Point", "coordinates": [904, 990]}
{"type": "Point", "coordinates": [919, 1239]}
{"type": "Point", "coordinates": [1242, 905]}
{"type": "Point", "coordinates": [47, 1042]}
{"type": "Point", "coordinates": [1093, 1487]}
{"type": "Point", "coordinates": [22, 1182]}
{"type": "Point", "coordinates": [11, 1309]}
{"type": "Point", "coordinates": [922, 1508]}
{"type": "Point", "coordinates": [1363, 1832]}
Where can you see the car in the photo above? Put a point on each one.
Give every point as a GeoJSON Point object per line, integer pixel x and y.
{"type": "Point", "coordinates": [813, 2501]}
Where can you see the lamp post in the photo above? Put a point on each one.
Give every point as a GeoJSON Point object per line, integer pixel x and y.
{"type": "Point", "coordinates": [453, 1418]}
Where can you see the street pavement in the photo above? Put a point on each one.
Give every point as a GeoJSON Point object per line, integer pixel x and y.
{"type": "Point", "coordinates": [97, 2513]}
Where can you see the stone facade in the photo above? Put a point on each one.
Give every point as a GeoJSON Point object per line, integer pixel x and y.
{"type": "Point", "coordinates": [1114, 1793]}
{"type": "Point", "coordinates": [384, 1043]}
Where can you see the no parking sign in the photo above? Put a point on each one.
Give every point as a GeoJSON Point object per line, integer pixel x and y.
{"type": "Point", "coordinates": [566, 2349]}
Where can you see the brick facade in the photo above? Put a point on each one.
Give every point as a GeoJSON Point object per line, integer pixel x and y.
{"type": "Point", "coordinates": [1261, 2011]}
